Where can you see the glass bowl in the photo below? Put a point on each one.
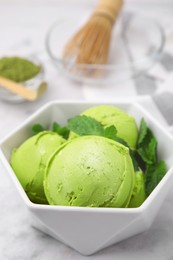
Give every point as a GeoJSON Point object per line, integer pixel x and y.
{"type": "Point", "coordinates": [136, 44]}
{"type": "Point", "coordinates": [88, 229]}
{"type": "Point", "coordinates": [32, 83]}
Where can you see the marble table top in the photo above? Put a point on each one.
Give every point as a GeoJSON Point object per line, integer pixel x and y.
{"type": "Point", "coordinates": [23, 28]}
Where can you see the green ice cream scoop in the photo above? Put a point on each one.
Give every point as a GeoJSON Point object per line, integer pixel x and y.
{"type": "Point", "coordinates": [29, 162]}
{"type": "Point", "coordinates": [138, 194]}
{"type": "Point", "coordinates": [110, 115]}
{"type": "Point", "coordinates": [90, 171]}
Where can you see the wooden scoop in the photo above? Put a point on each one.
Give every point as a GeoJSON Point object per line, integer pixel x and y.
{"type": "Point", "coordinates": [21, 90]}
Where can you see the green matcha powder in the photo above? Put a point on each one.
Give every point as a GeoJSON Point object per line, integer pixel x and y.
{"type": "Point", "coordinates": [18, 69]}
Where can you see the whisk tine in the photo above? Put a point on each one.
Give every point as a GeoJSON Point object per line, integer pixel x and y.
{"type": "Point", "coordinates": [90, 45]}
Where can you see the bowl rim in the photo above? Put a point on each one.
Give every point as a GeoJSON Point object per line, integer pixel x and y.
{"type": "Point", "coordinates": [50, 104]}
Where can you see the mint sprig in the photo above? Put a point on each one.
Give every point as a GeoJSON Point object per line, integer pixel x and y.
{"type": "Point", "coordinates": [110, 132]}
{"type": "Point", "coordinates": [146, 144]}
{"type": "Point", "coordinates": [84, 125]}
{"type": "Point", "coordinates": [147, 157]}
{"type": "Point", "coordinates": [37, 128]}
{"type": "Point", "coordinates": [63, 131]}
{"type": "Point", "coordinates": [153, 175]}
{"type": "Point", "coordinates": [55, 127]}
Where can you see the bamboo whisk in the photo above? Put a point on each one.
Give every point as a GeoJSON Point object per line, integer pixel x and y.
{"type": "Point", "coordinates": [90, 45]}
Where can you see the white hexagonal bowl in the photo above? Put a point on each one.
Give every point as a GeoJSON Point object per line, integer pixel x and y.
{"type": "Point", "coordinates": [88, 230]}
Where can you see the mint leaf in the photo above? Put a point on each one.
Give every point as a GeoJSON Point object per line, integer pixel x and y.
{"type": "Point", "coordinates": [147, 144]}
{"type": "Point", "coordinates": [110, 132]}
{"type": "Point", "coordinates": [148, 151]}
{"type": "Point", "coordinates": [147, 157]}
{"type": "Point", "coordinates": [142, 131]}
{"type": "Point", "coordinates": [134, 160]}
{"type": "Point", "coordinates": [55, 127]}
{"type": "Point", "coordinates": [141, 163]}
{"type": "Point", "coordinates": [84, 125]}
{"type": "Point", "coordinates": [153, 175]}
{"type": "Point", "coordinates": [37, 128]}
{"type": "Point", "coordinates": [121, 141]}
{"type": "Point", "coordinates": [63, 131]}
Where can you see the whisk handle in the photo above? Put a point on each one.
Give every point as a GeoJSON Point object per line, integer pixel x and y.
{"type": "Point", "coordinates": [109, 9]}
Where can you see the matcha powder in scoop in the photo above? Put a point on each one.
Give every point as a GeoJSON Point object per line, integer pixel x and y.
{"type": "Point", "coordinates": [18, 69]}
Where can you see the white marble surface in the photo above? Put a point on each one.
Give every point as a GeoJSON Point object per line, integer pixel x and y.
{"type": "Point", "coordinates": [23, 26]}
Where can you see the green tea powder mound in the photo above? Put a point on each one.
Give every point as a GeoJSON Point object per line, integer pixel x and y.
{"type": "Point", "coordinates": [18, 69]}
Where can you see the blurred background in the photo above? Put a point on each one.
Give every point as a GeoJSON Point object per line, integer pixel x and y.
{"type": "Point", "coordinates": [24, 27]}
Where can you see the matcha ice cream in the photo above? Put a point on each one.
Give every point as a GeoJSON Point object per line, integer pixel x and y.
{"type": "Point", "coordinates": [30, 159]}
{"type": "Point", "coordinates": [138, 194]}
{"type": "Point", "coordinates": [95, 167]}
{"type": "Point", "coordinates": [111, 115]}
{"type": "Point", "coordinates": [90, 171]}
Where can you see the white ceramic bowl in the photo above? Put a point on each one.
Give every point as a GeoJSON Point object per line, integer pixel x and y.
{"type": "Point", "coordinates": [88, 230]}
